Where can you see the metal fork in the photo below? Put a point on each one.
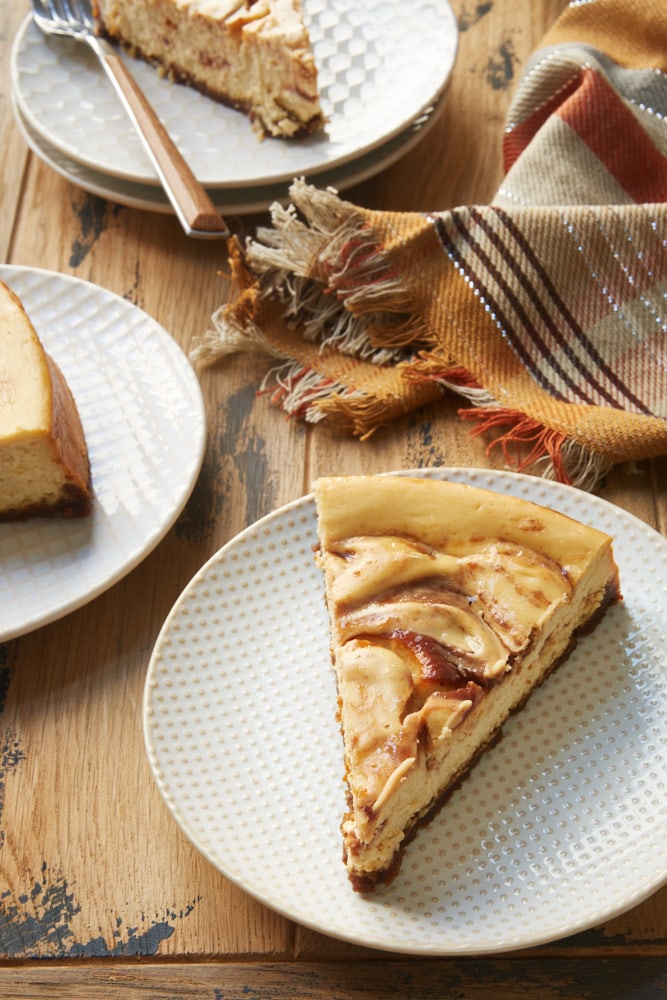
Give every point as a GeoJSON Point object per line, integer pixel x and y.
{"type": "Point", "coordinates": [194, 209]}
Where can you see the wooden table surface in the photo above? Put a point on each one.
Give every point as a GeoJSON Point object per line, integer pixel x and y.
{"type": "Point", "coordinates": [100, 892]}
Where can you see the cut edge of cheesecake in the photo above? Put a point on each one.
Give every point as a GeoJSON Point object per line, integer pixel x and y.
{"type": "Point", "coordinates": [252, 55]}
{"type": "Point", "coordinates": [44, 461]}
{"type": "Point", "coordinates": [448, 605]}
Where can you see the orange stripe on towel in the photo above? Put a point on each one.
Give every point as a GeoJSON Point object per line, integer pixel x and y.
{"type": "Point", "coordinates": [601, 119]}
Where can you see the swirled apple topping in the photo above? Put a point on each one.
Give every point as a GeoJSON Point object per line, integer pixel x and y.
{"type": "Point", "coordinates": [515, 587]}
{"type": "Point", "coordinates": [445, 633]}
{"type": "Point", "coordinates": [509, 586]}
{"type": "Point", "coordinates": [422, 634]}
{"type": "Point", "coordinates": [392, 710]}
{"type": "Point", "coordinates": [375, 563]}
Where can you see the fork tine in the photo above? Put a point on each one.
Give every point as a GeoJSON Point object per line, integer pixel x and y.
{"type": "Point", "coordinates": [79, 13]}
{"type": "Point", "coordinates": [71, 18]}
{"type": "Point", "coordinates": [56, 13]}
{"type": "Point", "coordinates": [65, 17]}
{"type": "Point", "coordinates": [44, 13]}
{"type": "Point", "coordinates": [85, 13]}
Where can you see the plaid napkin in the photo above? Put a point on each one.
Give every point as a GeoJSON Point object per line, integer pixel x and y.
{"type": "Point", "coordinates": [546, 311]}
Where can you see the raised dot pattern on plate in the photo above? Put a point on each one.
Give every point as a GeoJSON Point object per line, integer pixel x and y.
{"type": "Point", "coordinates": [559, 826]}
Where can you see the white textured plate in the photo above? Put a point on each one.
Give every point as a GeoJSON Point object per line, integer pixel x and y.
{"type": "Point", "coordinates": [143, 417]}
{"type": "Point", "coordinates": [381, 63]}
{"type": "Point", "coordinates": [228, 200]}
{"type": "Point", "coordinates": [560, 826]}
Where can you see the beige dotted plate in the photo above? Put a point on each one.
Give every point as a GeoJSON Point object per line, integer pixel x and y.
{"type": "Point", "coordinates": [559, 827]}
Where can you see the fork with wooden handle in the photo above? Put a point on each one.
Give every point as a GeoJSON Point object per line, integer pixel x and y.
{"type": "Point", "coordinates": [194, 209]}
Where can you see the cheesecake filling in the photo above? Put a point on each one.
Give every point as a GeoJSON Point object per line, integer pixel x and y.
{"type": "Point", "coordinates": [44, 464]}
{"type": "Point", "coordinates": [416, 657]}
{"type": "Point", "coordinates": [253, 55]}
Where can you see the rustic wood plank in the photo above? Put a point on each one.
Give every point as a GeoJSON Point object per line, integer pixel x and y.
{"type": "Point", "coordinates": [466, 979]}
{"type": "Point", "coordinates": [92, 865]}
{"type": "Point", "coordinates": [13, 150]}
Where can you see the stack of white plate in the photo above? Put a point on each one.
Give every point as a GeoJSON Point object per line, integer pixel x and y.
{"type": "Point", "coordinates": [383, 69]}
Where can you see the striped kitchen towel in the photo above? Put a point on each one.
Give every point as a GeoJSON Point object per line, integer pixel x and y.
{"type": "Point", "coordinates": [546, 311]}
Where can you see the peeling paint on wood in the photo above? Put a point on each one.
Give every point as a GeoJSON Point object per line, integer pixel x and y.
{"type": "Point", "coordinates": [38, 924]}
{"type": "Point", "coordinates": [424, 450]}
{"type": "Point", "coordinates": [468, 19]}
{"type": "Point", "coordinates": [500, 67]}
{"type": "Point", "coordinates": [235, 457]}
{"type": "Point", "coordinates": [35, 920]}
{"type": "Point", "coordinates": [91, 212]}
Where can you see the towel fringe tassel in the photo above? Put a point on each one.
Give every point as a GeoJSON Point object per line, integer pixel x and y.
{"type": "Point", "coordinates": [322, 247]}
{"type": "Point", "coordinates": [303, 392]}
{"type": "Point", "coordinates": [300, 391]}
{"type": "Point", "coordinates": [526, 443]}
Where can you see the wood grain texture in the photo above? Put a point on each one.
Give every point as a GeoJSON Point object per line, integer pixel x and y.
{"type": "Point", "coordinates": [642, 978]}
{"type": "Point", "coordinates": [95, 876]}
{"type": "Point", "coordinates": [13, 151]}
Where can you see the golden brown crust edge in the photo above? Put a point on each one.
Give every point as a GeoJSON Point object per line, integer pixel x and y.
{"type": "Point", "coordinates": [69, 435]}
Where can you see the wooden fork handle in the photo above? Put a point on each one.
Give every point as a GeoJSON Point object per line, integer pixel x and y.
{"type": "Point", "coordinates": [195, 210]}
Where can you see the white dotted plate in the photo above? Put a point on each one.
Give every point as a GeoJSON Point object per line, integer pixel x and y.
{"type": "Point", "coordinates": [559, 826]}
{"type": "Point", "coordinates": [380, 65]}
{"type": "Point", "coordinates": [143, 416]}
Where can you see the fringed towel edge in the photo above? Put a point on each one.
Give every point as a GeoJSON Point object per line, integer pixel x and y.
{"type": "Point", "coordinates": [323, 270]}
{"type": "Point", "coordinates": [527, 444]}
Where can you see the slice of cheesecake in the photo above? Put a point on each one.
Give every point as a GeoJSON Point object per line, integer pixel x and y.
{"type": "Point", "coordinates": [44, 465]}
{"type": "Point", "coordinates": [448, 604]}
{"type": "Point", "coordinates": [254, 55]}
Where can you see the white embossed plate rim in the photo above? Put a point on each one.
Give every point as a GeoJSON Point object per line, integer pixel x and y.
{"type": "Point", "coordinates": [143, 416]}
{"type": "Point", "coordinates": [381, 65]}
{"type": "Point", "coordinates": [558, 828]}
{"type": "Point", "coordinates": [241, 200]}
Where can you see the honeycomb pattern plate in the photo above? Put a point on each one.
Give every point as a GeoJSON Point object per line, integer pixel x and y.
{"type": "Point", "coordinates": [143, 417]}
{"type": "Point", "coordinates": [559, 827]}
{"type": "Point", "coordinates": [240, 200]}
{"type": "Point", "coordinates": [380, 65]}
